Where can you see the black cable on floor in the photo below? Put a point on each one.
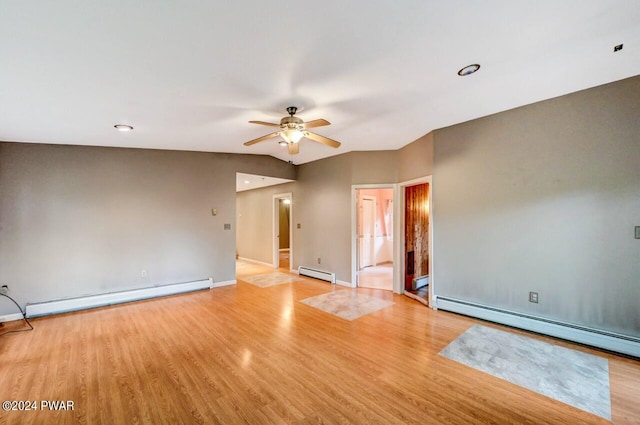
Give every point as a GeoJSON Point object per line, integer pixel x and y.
{"type": "Point", "coordinates": [24, 316]}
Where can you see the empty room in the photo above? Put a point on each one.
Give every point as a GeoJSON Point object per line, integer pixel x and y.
{"type": "Point", "coordinates": [273, 212]}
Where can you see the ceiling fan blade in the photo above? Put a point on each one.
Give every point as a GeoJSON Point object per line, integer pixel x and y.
{"type": "Point", "coordinates": [315, 123]}
{"type": "Point", "coordinates": [321, 139]}
{"type": "Point", "coordinates": [263, 138]}
{"type": "Point", "coordinates": [270, 124]}
{"type": "Point", "coordinates": [294, 148]}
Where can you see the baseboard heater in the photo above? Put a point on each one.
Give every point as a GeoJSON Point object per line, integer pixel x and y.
{"type": "Point", "coordinates": [419, 282]}
{"type": "Point", "coordinates": [611, 341]}
{"type": "Point", "coordinates": [100, 300]}
{"type": "Point", "coordinates": [317, 274]}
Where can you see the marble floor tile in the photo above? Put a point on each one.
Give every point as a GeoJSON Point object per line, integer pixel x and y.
{"type": "Point", "coordinates": [347, 304]}
{"type": "Point", "coordinates": [572, 377]}
{"type": "Point", "coordinates": [271, 279]}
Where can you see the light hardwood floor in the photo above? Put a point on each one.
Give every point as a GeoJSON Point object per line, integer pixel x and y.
{"type": "Point", "coordinates": [244, 354]}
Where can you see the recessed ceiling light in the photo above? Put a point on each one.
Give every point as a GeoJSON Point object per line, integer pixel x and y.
{"type": "Point", "coordinates": [123, 127]}
{"type": "Point", "coordinates": [247, 182]}
{"type": "Point", "coordinates": [282, 143]}
{"type": "Point", "coordinates": [468, 70]}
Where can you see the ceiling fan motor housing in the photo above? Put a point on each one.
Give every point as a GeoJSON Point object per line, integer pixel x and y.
{"type": "Point", "coordinates": [290, 122]}
{"type": "Point", "coordinates": [292, 129]}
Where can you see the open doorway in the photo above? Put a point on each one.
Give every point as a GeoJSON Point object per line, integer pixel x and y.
{"type": "Point", "coordinates": [282, 231]}
{"type": "Point", "coordinates": [374, 267]}
{"type": "Point", "coordinates": [417, 241]}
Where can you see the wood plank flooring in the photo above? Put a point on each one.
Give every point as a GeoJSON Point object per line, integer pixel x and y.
{"type": "Point", "coordinates": [243, 354]}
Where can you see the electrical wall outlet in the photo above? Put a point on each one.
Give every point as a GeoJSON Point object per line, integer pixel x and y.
{"type": "Point", "coordinates": [4, 290]}
{"type": "Point", "coordinates": [533, 297]}
{"type": "Point", "coordinates": [143, 273]}
{"type": "Point", "coordinates": [319, 260]}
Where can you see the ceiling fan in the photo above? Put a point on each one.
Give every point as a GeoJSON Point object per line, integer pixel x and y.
{"type": "Point", "coordinates": [292, 129]}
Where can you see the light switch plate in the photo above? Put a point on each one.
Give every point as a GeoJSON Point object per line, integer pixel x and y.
{"type": "Point", "coordinates": [637, 232]}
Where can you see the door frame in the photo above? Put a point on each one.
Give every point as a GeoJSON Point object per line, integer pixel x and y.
{"type": "Point", "coordinates": [372, 247]}
{"type": "Point", "coordinates": [275, 244]}
{"type": "Point", "coordinates": [354, 230]}
{"type": "Point", "coordinates": [399, 242]}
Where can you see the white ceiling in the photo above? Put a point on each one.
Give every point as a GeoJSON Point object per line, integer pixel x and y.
{"type": "Point", "coordinates": [188, 75]}
{"type": "Point", "coordinates": [252, 181]}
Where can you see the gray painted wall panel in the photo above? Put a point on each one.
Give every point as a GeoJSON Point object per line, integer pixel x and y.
{"type": "Point", "coordinates": [416, 159]}
{"type": "Point", "coordinates": [78, 220]}
{"type": "Point", "coordinates": [544, 198]}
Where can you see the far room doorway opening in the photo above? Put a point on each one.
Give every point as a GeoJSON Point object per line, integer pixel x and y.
{"type": "Point", "coordinates": [372, 249]}
{"type": "Point", "coordinates": [282, 231]}
{"type": "Point", "coordinates": [417, 250]}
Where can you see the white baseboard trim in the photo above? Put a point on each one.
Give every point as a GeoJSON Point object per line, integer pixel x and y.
{"type": "Point", "coordinates": [224, 283]}
{"type": "Point", "coordinates": [260, 263]}
{"type": "Point", "coordinates": [343, 283]}
{"type": "Point", "coordinates": [110, 298]}
{"type": "Point", "coordinates": [10, 317]}
{"type": "Point", "coordinates": [611, 341]}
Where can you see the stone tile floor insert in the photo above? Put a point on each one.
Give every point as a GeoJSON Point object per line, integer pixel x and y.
{"type": "Point", "coordinates": [346, 304]}
{"type": "Point", "coordinates": [265, 280]}
{"type": "Point", "coordinates": [572, 377]}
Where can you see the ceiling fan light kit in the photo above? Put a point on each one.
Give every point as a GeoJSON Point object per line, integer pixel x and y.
{"type": "Point", "coordinates": [292, 135]}
{"type": "Point", "coordinates": [292, 130]}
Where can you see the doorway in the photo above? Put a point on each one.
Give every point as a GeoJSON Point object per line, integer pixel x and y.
{"type": "Point", "coordinates": [282, 231]}
{"type": "Point", "coordinates": [417, 237]}
{"type": "Point", "coordinates": [374, 267]}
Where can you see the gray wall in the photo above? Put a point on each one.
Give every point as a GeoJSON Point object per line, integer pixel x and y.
{"type": "Point", "coordinates": [322, 203]}
{"type": "Point", "coordinates": [544, 198]}
{"type": "Point", "coordinates": [78, 220]}
{"type": "Point", "coordinates": [416, 159]}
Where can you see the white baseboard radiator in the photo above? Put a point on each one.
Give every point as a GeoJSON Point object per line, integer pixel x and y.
{"type": "Point", "coordinates": [317, 274]}
{"type": "Point", "coordinates": [611, 341]}
{"type": "Point", "coordinates": [101, 300]}
{"type": "Point", "coordinates": [419, 282]}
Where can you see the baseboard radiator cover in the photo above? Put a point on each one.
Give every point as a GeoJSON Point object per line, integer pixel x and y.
{"type": "Point", "coordinates": [65, 305]}
{"type": "Point", "coordinates": [317, 274]}
{"type": "Point", "coordinates": [419, 282]}
{"type": "Point", "coordinates": [611, 341]}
